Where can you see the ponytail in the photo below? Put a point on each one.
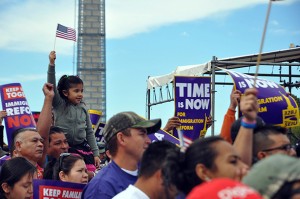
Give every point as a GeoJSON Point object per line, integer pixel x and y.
{"type": "Point", "coordinates": [175, 169]}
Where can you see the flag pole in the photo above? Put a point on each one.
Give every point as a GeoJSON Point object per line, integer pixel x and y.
{"type": "Point", "coordinates": [262, 42]}
{"type": "Point", "coordinates": [181, 141]}
{"type": "Point", "coordinates": [55, 39]}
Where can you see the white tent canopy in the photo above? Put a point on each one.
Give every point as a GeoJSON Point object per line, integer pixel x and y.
{"type": "Point", "coordinates": [189, 70]}
{"type": "Point", "coordinates": [287, 55]}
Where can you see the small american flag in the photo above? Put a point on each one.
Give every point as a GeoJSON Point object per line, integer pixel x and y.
{"type": "Point", "coordinates": [183, 140]}
{"type": "Point", "coordinates": [187, 141]}
{"type": "Point", "coordinates": [65, 32]}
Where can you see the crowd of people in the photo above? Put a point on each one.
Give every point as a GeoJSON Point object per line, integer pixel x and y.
{"type": "Point", "coordinates": [248, 160]}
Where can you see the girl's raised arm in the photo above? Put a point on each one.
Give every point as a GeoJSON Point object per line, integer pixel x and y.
{"type": "Point", "coordinates": [51, 78]}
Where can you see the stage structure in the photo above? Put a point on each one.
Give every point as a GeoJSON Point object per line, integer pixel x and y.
{"type": "Point", "coordinates": [91, 58]}
{"type": "Point", "coordinates": [160, 88]}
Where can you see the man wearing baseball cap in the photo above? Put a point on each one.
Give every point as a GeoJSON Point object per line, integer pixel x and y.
{"type": "Point", "coordinates": [126, 137]}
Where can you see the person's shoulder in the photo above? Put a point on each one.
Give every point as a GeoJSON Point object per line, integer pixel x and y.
{"type": "Point", "coordinates": [110, 170]}
{"type": "Point", "coordinates": [97, 191]}
{"type": "Point", "coordinates": [123, 195]}
{"type": "Point", "coordinates": [113, 174]}
{"type": "Point", "coordinates": [131, 192]}
{"type": "Point", "coordinates": [100, 186]}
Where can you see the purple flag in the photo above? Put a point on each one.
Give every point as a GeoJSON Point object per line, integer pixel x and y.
{"type": "Point", "coordinates": [163, 135]}
{"type": "Point", "coordinates": [275, 105]}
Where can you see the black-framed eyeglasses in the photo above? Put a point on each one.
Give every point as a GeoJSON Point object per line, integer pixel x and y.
{"type": "Point", "coordinates": [286, 147]}
{"type": "Point", "coordinates": [61, 158]}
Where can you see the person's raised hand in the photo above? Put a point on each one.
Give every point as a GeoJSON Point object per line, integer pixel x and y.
{"type": "Point", "coordinates": [48, 90]}
{"type": "Point", "coordinates": [172, 123]}
{"type": "Point", "coordinates": [249, 105]}
{"type": "Point", "coordinates": [52, 57]}
{"type": "Point", "coordinates": [235, 97]}
{"type": "Point", "coordinates": [209, 122]}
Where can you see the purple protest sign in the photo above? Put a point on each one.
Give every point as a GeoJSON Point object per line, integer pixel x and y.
{"type": "Point", "coordinates": [192, 104]}
{"type": "Point", "coordinates": [53, 189]}
{"type": "Point", "coordinates": [17, 109]}
{"type": "Point", "coordinates": [157, 136]}
{"type": "Point", "coordinates": [276, 106]}
{"type": "Point", "coordinates": [163, 135]}
{"type": "Point", "coordinates": [99, 132]}
{"type": "Point", "coordinates": [94, 116]}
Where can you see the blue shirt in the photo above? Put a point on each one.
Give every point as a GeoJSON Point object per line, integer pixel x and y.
{"type": "Point", "coordinates": [110, 181]}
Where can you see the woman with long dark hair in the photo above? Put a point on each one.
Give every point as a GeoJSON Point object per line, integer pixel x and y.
{"type": "Point", "coordinates": [205, 159]}
{"type": "Point", "coordinates": [16, 178]}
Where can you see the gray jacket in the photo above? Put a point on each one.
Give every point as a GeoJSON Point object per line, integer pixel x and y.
{"type": "Point", "coordinates": [73, 119]}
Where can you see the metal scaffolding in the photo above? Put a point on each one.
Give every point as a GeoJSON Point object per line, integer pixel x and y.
{"type": "Point", "coordinates": [283, 58]}
{"type": "Point", "coordinates": [91, 55]}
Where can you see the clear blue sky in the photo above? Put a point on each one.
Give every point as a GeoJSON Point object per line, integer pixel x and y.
{"type": "Point", "coordinates": [144, 38]}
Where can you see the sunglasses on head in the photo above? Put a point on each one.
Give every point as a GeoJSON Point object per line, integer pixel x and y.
{"type": "Point", "coordinates": [61, 158]}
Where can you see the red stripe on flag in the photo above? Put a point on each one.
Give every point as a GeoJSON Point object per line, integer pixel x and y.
{"type": "Point", "coordinates": [65, 32]}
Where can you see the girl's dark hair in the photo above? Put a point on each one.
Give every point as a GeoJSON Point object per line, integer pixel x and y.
{"type": "Point", "coordinates": [65, 163]}
{"type": "Point", "coordinates": [13, 170]}
{"type": "Point", "coordinates": [183, 166]}
{"type": "Point", "coordinates": [65, 83]}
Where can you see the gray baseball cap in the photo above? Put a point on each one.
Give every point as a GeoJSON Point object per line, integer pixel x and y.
{"type": "Point", "coordinates": [270, 174]}
{"type": "Point", "coordinates": [124, 120]}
